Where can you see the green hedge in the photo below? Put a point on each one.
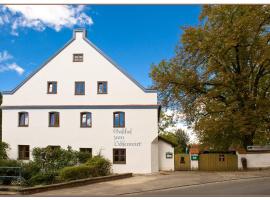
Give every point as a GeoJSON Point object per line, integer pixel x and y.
{"type": "Point", "coordinates": [96, 166]}
{"type": "Point", "coordinates": [101, 165]}
{"type": "Point", "coordinates": [75, 172]}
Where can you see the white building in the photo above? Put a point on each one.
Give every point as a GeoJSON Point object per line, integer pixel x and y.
{"type": "Point", "coordinates": [81, 98]}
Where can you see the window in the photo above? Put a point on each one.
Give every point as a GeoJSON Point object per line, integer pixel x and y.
{"type": "Point", "coordinates": [182, 159]}
{"type": "Point", "coordinates": [23, 152]}
{"type": "Point", "coordinates": [102, 87]}
{"type": "Point", "coordinates": [54, 147]}
{"type": "Point", "coordinates": [54, 119]}
{"type": "Point", "coordinates": [86, 119]}
{"type": "Point", "coordinates": [52, 87]}
{"type": "Point", "coordinates": [78, 57]}
{"type": "Point", "coordinates": [119, 156]}
{"type": "Point", "coordinates": [118, 119]}
{"type": "Point", "coordinates": [221, 157]}
{"type": "Point", "coordinates": [86, 150]}
{"type": "Point", "coordinates": [23, 119]}
{"type": "Point", "coordinates": [79, 88]}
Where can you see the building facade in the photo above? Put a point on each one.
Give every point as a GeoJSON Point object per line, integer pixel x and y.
{"type": "Point", "coordinates": [81, 98]}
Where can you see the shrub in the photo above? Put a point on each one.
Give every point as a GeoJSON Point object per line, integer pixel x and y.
{"type": "Point", "coordinates": [30, 169]}
{"type": "Point", "coordinates": [75, 172]}
{"type": "Point", "coordinates": [42, 179]}
{"type": "Point", "coordinates": [83, 156]}
{"type": "Point", "coordinates": [3, 150]}
{"type": "Point", "coordinates": [50, 159]}
{"type": "Point", "coordinates": [101, 165]}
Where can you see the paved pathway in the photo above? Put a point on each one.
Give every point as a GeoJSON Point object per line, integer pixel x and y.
{"type": "Point", "coordinates": [142, 183]}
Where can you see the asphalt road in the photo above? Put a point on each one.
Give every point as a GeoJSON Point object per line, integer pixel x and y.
{"type": "Point", "coordinates": [243, 187]}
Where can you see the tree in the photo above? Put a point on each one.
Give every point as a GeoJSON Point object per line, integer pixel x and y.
{"type": "Point", "coordinates": [179, 137]}
{"type": "Point", "coordinates": [220, 76]}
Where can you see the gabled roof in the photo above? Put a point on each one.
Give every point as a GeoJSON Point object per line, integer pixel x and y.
{"type": "Point", "coordinates": [92, 45]}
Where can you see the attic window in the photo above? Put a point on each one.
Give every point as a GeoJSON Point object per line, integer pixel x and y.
{"type": "Point", "coordinates": [78, 57]}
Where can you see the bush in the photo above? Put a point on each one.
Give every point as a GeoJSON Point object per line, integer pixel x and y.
{"type": "Point", "coordinates": [29, 170]}
{"type": "Point", "coordinates": [3, 150]}
{"type": "Point", "coordinates": [75, 172]}
{"type": "Point", "coordinates": [100, 164]}
{"type": "Point", "coordinates": [50, 159]}
{"type": "Point", "coordinates": [83, 157]}
{"type": "Point", "coordinates": [42, 179]}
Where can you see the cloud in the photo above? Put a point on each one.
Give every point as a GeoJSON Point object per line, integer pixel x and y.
{"type": "Point", "coordinates": [39, 17]}
{"type": "Point", "coordinates": [5, 56]}
{"type": "Point", "coordinates": [6, 65]}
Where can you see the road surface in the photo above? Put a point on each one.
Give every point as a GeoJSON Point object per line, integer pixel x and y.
{"type": "Point", "coordinates": [242, 187]}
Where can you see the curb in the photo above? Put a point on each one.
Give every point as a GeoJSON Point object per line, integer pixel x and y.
{"type": "Point", "coordinates": [194, 184]}
{"type": "Point", "coordinates": [74, 183]}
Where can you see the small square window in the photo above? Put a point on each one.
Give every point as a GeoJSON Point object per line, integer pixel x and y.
{"type": "Point", "coordinates": [54, 119]}
{"type": "Point", "coordinates": [79, 88]}
{"type": "Point", "coordinates": [102, 87]}
{"type": "Point", "coordinates": [221, 157]}
{"type": "Point", "coordinates": [52, 87]}
{"type": "Point", "coordinates": [23, 119]}
{"type": "Point", "coordinates": [119, 156]}
{"type": "Point", "coordinates": [23, 152]}
{"type": "Point", "coordinates": [78, 57]}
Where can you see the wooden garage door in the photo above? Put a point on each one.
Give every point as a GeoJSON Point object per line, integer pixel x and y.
{"type": "Point", "coordinates": [218, 162]}
{"type": "Point", "coordinates": [182, 162]}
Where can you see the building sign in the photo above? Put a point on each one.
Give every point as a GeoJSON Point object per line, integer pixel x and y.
{"type": "Point", "coordinates": [194, 157]}
{"type": "Point", "coordinates": [122, 138]}
{"type": "Point", "coordinates": [169, 155]}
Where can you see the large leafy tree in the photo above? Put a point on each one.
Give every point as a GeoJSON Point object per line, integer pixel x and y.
{"type": "Point", "coordinates": [220, 76]}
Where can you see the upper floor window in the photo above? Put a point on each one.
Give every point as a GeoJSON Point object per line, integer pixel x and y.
{"type": "Point", "coordinates": [78, 57]}
{"type": "Point", "coordinates": [52, 87]}
{"type": "Point", "coordinates": [23, 119]}
{"type": "Point", "coordinates": [86, 119]}
{"type": "Point", "coordinates": [118, 119]}
{"type": "Point", "coordinates": [54, 119]}
{"type": "Point", "coordinates": [79, 88]}
{"type": "Point", "coordinates": [102, 87]}
{"type": "Point", "coordinates": [24, 152]}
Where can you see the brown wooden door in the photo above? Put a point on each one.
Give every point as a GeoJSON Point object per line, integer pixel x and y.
{"type": "Point", "coordinates": [182, 162]}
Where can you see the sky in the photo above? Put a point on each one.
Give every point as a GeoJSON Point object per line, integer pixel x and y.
{"type": "Point", "coordinates": [134, 36]}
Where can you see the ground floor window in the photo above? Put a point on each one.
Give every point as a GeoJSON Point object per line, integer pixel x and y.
{"type": "Point", "coordinates": [54, 147]}
{"type": "Point", "coordinates": [86, 150]}
{"type": "Point", "coordinates": [24, 152]}
{"type": "Point", "coordinates": [119, 156]}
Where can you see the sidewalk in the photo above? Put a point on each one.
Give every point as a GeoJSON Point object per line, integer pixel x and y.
{"type": "Point", "coordinates": [140, 183]}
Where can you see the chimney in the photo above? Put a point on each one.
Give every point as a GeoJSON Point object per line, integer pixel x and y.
{"type": "Point", "coordinates": [79, 33]}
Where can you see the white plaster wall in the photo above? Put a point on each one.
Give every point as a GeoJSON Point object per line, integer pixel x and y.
{"type": "Point", "coordinates": [194, 164]}
{"type": "Point", "coordinates": [155, 156]}
{"type": "Point", "coordinates": [121, 90]}
{"type": "Point", "coordinates": [100, 137]}
{"type": "Point", "coordinates": [166, 164]}
{"type": "Point", "coordinates": [255, 160]}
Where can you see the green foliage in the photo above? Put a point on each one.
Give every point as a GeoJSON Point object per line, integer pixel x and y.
{"type": "Point", "coordinates": [75, 172]}
{"type": "Point", "coordinates": [219, 77]}
{"type": "Point", "coordinates": [83, 156]}
{"type": "Point", "coordinates": [30, 169]}
{"type": "Point", "coordinates": [3, 150]}
{"type": "Point", "coordinates": [102, 165]}
{"type": "Point", "coordinates": [179, 137]}
{"type": "Point", "coordinates": [10, 163]}
{"type": "Point", "coordinates": [52, 159]}
{"type": "Point", "coordinates": [42, 179]}
{"type": "Point", "coordinates": [96, 166]}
